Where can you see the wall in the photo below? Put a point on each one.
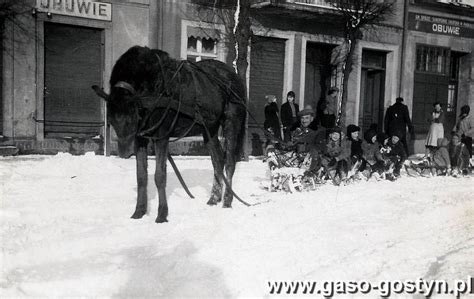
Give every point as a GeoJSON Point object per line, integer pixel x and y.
{"type": "Point", "coordinates": [23, 79]}
{"type": "Point", "coordinates": [458, 44]}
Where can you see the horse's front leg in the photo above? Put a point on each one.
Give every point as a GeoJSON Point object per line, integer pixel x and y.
{"type": "Point", "coordinates": [142, 178]}
{"type": "Point", "coordinates": [161, 154]}
{"type": "Point", "coordinates": [217, 158]}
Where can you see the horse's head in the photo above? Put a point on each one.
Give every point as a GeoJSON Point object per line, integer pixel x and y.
{"type": "Point", "coordinates": [134, 75]}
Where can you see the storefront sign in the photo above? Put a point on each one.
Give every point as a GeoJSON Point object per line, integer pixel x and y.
{"type": "Point", "coordinates": [78, 8]}
{"type": "Point", "coordinates": [440, 25]}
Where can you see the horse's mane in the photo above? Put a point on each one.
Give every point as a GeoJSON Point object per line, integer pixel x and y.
{"type": "Point", "coordinates": [140, 66]}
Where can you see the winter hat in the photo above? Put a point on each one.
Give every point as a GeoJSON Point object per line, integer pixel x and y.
{"type": "Point", "coordinates": [352, 128]}
{"type": "Point", "coordinates": [334, 130]}
{"type": "Point", "coordinates": [308, 110]}
{"type": "Point", "coordinates": [369, 134]}
{"type": "Point", "coordinates": [465, 109]}
{"type": "Point", "coordinates": [397, 133]}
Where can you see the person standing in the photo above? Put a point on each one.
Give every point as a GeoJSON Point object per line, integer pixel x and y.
{"type": "Point", "coordinates": [327, 109]}
{"type": "Point", "coordinates": [397, 119]}
{"type": "Point", "coordinates": [436, 130]}
{"type": "Point", "coordinates": [272, 119]}
{"type": "Point", "coordinates": [289, 114]}
{"type": "Point", "coordinates": [464, 127]}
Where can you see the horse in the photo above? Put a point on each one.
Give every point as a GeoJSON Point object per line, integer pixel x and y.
{"type": "Point", "coordinates": [154, 97]}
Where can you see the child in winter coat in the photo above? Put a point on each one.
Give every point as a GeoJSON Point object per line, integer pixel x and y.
{"type": "Point", "coordinates": [459, 156]}
{"type": "Point", "coordinates": [356, 161]}
{"type": "Point", "coordinates": [441, 160]}
{"type": "Point", "coordinates": [335, 156]}
{"type": "Point", "coordinates": [371, 154]}
{"type": "Point", "coordinates": [393, 155]}
{"type": "Point", "coordinates": [397, 153]}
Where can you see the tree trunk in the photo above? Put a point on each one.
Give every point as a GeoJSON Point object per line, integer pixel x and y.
{"type": "Point", "coordinates": [347, 69]}
{"type": "Point", "coordinates": [242, 38]}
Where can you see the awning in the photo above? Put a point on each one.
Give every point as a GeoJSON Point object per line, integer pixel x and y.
{"type": "Point", "coordinates": [203, 32]}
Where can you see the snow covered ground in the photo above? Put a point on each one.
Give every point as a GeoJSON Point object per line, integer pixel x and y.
{"type": "Point", "coordinates": [65, 231]}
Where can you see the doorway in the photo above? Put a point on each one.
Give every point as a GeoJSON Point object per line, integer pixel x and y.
{"type": "Point", "coordinates": [372, 89]}
{"type": "Point", "coordinates": [432, 83]}
{"type": "Point", "coordinates": [318, 72]}
{"type": "Point", "coordinates": [72, 64]}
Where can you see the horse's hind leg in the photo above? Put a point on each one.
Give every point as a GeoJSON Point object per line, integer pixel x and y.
{"type": "Point", "coordinates": [161, 154]}
{"type": "Point", "coordinates": [231, 130]}
{"type": "Point", "coordinates": [217, 158]}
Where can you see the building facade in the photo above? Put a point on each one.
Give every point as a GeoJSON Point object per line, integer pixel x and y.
{"type": "Point", "coordinates": [51, 57]}
{"type": "Point", "coordinates": [423, 52]}
{"type": "Point", "coordinates": [438, 61]}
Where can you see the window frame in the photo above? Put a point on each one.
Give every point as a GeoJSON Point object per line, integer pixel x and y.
{"type": "Point", "coordinates": [219, 52]}
{"type": "Point", "coordinates": [432, 59]}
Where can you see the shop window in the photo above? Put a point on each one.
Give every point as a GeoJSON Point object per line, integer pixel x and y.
{"type": "Point", "coordinates": [433, 60]}
{"type": "Point", "coordinates": [202, 44]}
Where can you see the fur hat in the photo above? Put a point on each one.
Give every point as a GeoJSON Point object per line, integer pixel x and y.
{"type": "Point", "coordinates": [465, 109]}
{"type": "Point", "coordinates": [334, 130]}
{"type": "Point", "coordinates": [352, 128]}
{"type": "Point", "coordinates": [369, 134]}
{"type": "Point", "coordinates": [398, 134]}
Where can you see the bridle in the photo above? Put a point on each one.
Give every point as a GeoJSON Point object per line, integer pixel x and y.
{"type": "Point", "coordinates": [127, 86]}
{"type": "Point", "coordinates": [142, 131]}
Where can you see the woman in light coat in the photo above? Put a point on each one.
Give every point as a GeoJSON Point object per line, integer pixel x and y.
{"type": "Point", "coordinates": [436, 128]}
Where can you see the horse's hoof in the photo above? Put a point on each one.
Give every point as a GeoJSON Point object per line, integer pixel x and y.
{"type": "Point", "coordinates": [138, 215]}
{"type": "Point", "coordinates": [227, 205]}
{"type": "Point", "coordinates": [161, 220]}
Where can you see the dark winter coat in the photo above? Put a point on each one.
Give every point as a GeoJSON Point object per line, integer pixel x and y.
{"type": "Point", "coordinates": [356, 144]}
{"type": "Point", "coordinates": [397, 150]}
{"type": "Point", "coordinates": [272, 121]}
{"type": "Point", "coordinates": [397, 119]}
{"type": "Point", "coordinates": [286, 115]}
{"type": "Point", "coordinates": [371, 150]}
{"type": "Point", "coordinates": [307, 139]}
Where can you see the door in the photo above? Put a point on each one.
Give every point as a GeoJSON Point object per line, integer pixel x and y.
{"type": "Point", "coordinates": [428, 89]}
{"type": "Point", "coordinates": [431, 85]}
{"type": "Point", "coordinates": [372, 89]}
{"type": "Point", "coordinates": [371, 109]}
{"type": "Point", "coordinates": [73, 63]}
{"type": "Point", "coordinates": [267, 62]}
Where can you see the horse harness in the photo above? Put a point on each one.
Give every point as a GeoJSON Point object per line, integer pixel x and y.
{"type": "Point", "coordinates": [196, 116]}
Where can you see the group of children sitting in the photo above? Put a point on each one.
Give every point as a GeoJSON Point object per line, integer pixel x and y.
{"type": "Point", "coordinates": [314, 157]}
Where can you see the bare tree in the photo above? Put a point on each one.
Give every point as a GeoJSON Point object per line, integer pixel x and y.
{"type": "Point", "coordinates": [356, 17]}
{"type": "Point", "coordinates": [235, 15]}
